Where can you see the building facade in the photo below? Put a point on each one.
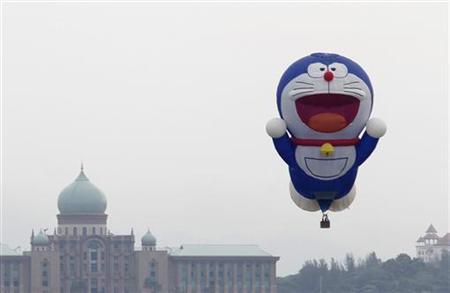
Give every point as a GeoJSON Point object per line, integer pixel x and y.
{"type": "Point", "coordinates": [82, 255]}
{"type": "Point", "coordinates": [430, 246]}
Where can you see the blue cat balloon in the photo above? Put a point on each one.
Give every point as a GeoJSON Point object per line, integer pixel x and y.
{"type": "Point", "coordinates": [324, 101]}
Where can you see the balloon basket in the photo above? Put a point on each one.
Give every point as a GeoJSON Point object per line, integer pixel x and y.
{"type": "Point", "coordinates": [325, 223]}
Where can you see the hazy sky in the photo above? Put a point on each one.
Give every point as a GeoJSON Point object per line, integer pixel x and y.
{"type": "Point", "coordinates": [166, 104]}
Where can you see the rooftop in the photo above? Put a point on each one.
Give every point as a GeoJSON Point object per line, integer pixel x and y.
{"type": "Point", "coordinates": [444, 240]}
{"type": "Point", "coordinates": [431, 229]}
{"type": "Point", "coordinates": [6, 250]}
{"type": "Point", "coordinates": [218, 250]}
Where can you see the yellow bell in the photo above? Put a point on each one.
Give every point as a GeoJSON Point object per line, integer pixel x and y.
{"type": "Point", "coordinates": [327, 149]}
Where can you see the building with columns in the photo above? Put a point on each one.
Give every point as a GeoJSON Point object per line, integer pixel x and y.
{"type": "Point", "coordinates": [82, 255]}
{"type": "Point", "coordinates": [430, 246]}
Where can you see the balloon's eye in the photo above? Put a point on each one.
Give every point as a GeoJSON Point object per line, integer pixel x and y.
{"type": "Point", "coordinates": [316, 70]}
{"type": "Point", "coordinates": [338, 69]}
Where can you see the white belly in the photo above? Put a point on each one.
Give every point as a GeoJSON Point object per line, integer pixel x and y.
{"type": "Point", "coordinates": [322, 167]}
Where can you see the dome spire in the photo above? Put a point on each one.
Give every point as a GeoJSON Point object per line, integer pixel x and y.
{"type": "Point", "coordinates": [82, 176]}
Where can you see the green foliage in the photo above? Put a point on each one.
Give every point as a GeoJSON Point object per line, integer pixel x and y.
{"type": "Point", "coordinates": [370, 275]}
{"type": "Point", "coordinates": [152, 284]}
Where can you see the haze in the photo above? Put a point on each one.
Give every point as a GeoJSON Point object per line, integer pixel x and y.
{"type": "Point", "coordinates": [166, 105]}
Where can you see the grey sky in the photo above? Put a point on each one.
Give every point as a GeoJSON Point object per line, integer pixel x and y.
{"type": "Point", "coordinates": [166, 104]}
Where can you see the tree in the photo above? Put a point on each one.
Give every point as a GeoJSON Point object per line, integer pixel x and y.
{"type": "Point", "coordinates": [152, 285]}
{"type": "Point", "coordinates": [349, 262]}
{"type": "Point", "coordinates": [402, 274]}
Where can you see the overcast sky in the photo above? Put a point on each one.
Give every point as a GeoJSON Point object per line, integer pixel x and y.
{"type": "Point", "coordinates": [166, 105]}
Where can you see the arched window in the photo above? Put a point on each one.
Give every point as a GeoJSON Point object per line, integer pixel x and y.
{"type": "Point", "coordinates": [95, 251]}
{"type": "Point", "coordinates": [151, 281]}
{"type": "Point", "coordinates": [153, 270]}
{"type": "Point", "coordinates": [75, 231]}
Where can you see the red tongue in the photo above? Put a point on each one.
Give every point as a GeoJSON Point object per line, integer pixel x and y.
{"type": "Point", "coordinates": [327, 122]}
{"type": "Point", "coordinates": [327, 112]}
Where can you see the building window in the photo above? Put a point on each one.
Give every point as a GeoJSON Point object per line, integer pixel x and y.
{"type": "Point", "coordinates": [229, 270]}
{"type": "Point", "coordinates": [93, 230]}
{"type": "Point", "coordinates": [15, 274]}
{"type": "Point", "coordinates": [66, 230]}
{"type": "Point", "coordinates": [94, 248]}
{"type": "Point", "coordinates": [152, 270]}
{"type": "Point", "coordinates": [84, 231]}
{"type": "Point", "coordinates": [45, 273]}
{"type": "Point", "coordinates": [240, 276]}
{"type": "Point", "coordinates": [248, 276]}
{"type": "Point", "coordinates": [93, 267]}
{"type": "Point", "coordinates": [72, 268]}
{"type": "Point", "coordinates": [94, 285]}
{"type": "Point", "coordinates": [75, 232]}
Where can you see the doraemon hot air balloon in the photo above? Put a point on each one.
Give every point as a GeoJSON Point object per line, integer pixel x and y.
{"type": "Point", "coordinates": [324, 101]}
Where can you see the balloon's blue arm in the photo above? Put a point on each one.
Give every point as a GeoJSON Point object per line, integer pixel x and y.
{"type": "Point", "coordinates": [285, 149]}
{"type": "Point", "coordinates": [365, 147]}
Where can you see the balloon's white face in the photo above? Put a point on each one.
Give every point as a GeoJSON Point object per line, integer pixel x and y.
{"type": "Point", "coordinates": [326, 102]}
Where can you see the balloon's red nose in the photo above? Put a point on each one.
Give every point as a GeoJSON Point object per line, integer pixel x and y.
{"type": "Point", "coordinates": [328, 76]}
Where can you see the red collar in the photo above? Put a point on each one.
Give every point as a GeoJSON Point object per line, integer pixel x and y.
{"type": "Point", "coordinates": [320, 142]}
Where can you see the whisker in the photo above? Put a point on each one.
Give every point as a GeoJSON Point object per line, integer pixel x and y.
{"type": "Point", "coordinates": [294, 93]}
{"type": "Point", "coordinates": [302, 88]}
{"type": "Point", "coordinates": [300, 92]}
{"type": "Point", "coordinates": [298, 81]}
{"type": "Point", "coordinates": [351, 82]}
{"type": "Point", "coordinates": [359, 93]}
{"type": "Point", "coordinates": [356, 88]}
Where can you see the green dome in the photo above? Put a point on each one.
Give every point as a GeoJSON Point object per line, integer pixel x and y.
{"type": "Point", "coordinates": [81, 198]}
{"type": "Point", "coordinates": [148, 239]}
{"type": "Point", "coordinates": [40, 239]}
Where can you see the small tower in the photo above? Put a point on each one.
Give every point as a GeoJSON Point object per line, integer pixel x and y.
{"type": "Point", "coordinates": [426, 246]}
{"type": "Point", "coordinates": [148, 242]}
{"type": "Point", "coordinates": [40, 242]}
{"type": "Point", "coordinates": [44, 264]}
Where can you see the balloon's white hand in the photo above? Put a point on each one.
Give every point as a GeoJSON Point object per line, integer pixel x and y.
{"type": "Point", "coordinates": [376, 127]}
{"type": "Point", "coordinates": [276, 127]}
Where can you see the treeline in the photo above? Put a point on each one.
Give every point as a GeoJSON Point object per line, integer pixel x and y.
{"type": "Point", "coordinates": [370, 275]}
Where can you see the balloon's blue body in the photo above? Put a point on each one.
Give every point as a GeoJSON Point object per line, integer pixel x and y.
{"type": "Point", "coordinates": [325, 101]}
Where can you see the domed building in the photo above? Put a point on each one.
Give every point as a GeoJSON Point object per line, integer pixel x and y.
{"type": "Point", "coordinates": [81, 198]}
{"type": "Point", "coordinates": [82, 255]}
{"type": "Point", "coordinates": [82, 208]}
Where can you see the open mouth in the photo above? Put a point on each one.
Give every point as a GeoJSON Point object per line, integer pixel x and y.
{"type": "Point", "coordinates": [327, 112]}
